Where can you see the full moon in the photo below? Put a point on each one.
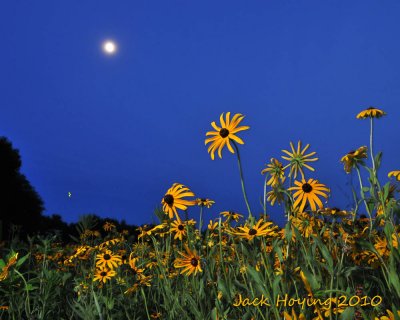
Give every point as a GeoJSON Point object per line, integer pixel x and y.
{"type": "Point", "coordinates": [109, 47]}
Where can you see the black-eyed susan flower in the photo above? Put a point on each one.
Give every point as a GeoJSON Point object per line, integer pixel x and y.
{"type": "Point", "coordinates": [276, 195]}
{"type": "Point", "coordinates": [231, 215]}
{"type": "Point", "coordinates": [389, 315]}
{"type": "Point", "coordinates": [174, 199]}
{"type": "Point", "coordinates": [190, 262]}
{"type": "Point", "coordinates": [276, 172]}
{"type": "Point", "coordinates": [293, 316]}
{"type": "Point", "coordinates": [204, 202]}
{"type": "Point", "coordinates": [334, 212]}
{"type": "Point", "coordinates": [260, 229]}
{"type": "Point", "coordinates": [354, 157]}
{"type": "Point", "coordinates": [307, 225]}
{"type": "Point", "coordinates": [371, 112]}
{"type": "Point", "coordinates": [224, 133]}
{"type": "Point", "coordinates": [12, 260]}
{"type": "Point", "coordinates": [132, 264]}
{"type": "Point", "coordinates": [156, 315]}
{"type": "Point", "coordinates": [108, 259]}
{"type": "Point", "coordinates": [335, 308]}
{"type": "Point", "coordinates": [149, 230]}
{"type": "Point", "coordinates": [308, 191]}
{"type": "Point", "coordinates": [298, 159]}
{"type": "Point", "coordinates": [103, 274]}
{"type": "Point", "coordinates": [179, 228]}
{"type": "Point", "coordinates": [108, 226]}
{"type": "Point", "coordinates": [395, 174]}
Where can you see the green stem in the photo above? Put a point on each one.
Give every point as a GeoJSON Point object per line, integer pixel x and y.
{"type": "Point", "coordinates": [145, 303]}
{"type": "Point", "coordinates": [363, 197]}
{"type": "Point", "coordinates": [27, 301]}
{"type": "Point", "coordinates": [265, 196]}
{"type": "Point", "coordinates": [201, 220]}
{"type": "Point", "coordinates": [242, 180]}
{"type": "Point", "coordinates": [370, 145]}
{"type": "Point", "coordinates": [96, 302]}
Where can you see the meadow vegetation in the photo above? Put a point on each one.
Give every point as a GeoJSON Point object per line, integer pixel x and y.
{"type": "Point", "coordinates": [325, 263]}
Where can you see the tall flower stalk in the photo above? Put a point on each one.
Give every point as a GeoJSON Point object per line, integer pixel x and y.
{"type": "Point", "coordinates": [242, 180]}
{"type": "Point", "coordinates": [223, 135]}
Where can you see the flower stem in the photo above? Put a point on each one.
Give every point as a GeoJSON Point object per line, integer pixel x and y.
{"type": "Point", "coordinates": [242, 179]}
{"type": "Point", "coordinates": [370, 145]}
{"type": "Point", "coordinates": [363, 197]}
{"type": "Point", "coordinates": [265, 196]}
{"type": "Point", "coordinates": [201, 219]}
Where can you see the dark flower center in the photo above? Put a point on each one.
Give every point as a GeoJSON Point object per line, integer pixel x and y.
{"type": "Point", "coordinates": [194, 262]}
{"type": "Point", "coordinates": [307, 188]}
{"type": "Point", "coordinates": [103, 273]}
{"type": "Point", "coordinates": [203, 200]}
{"type": "Point", "coordinates": [224, 132]}
{"type": "Point", "coordinates": [181, 227]}
{"type": "Point", "coordinates": [106, 257]}
{"type": "Point", "coordinates": [352, 152]}
{"type": "Point", "coordinates": [252, 232]}
{"type": "Point", "coordinates": [169, 199]}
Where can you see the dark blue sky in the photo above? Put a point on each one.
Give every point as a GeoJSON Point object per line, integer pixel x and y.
{"type": "Point", "coordinates": [117, 131]}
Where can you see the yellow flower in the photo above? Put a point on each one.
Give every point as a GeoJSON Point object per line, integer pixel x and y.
{"type": "Point", "coordinates": [144, 231]}
{"type": "Point", "coordinates": [260, 229]}
{"type": "Point", "coordinates": [108, 226]}
{"type": "Point", "coordinates": [11, 261]}
{"type": "Point", "coordinates": [395, 174]}
{"type": "Point", "coordinates": [308, 191]}
{"type": "Point", "coordinates": [204, 202]}
{"type": "Point", "coordinates": [103, 274]}
{"type": "Point", "coordinates": [275, 170]}
{"type": "Point", "coordinates": [298, 159]}
{"type": "Point", "coordinates": [390, 316]}
{"type": "Point", "coordinates": [190, 262]}
{"type": "Point", "coordinates": [179, 228]}
{"type": "Point", "coordinates": [275, 195]}
{"type": "Point", "coordinates": [371, 112]}
{"type": "Point", "coordinates": [293, 316]}
{"type": "Point", "coordinates": [334, 212]}
{"type": "Point", "coordinates": [108, 259]}
{"type": "Point", "coordinates": [232, 215]}
{"type": "Point", "coordinates": [132, 263]}
{"type": "Point", "coordinates": [173, 200]}
{"type": "Point", "coordinates": [306, 224]}
{"type": "Point", "coordinates": [354, 157]}
{"type": "Point", "coordinates": [224, 134]}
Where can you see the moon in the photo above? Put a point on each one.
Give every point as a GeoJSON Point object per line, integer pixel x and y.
{"type": "Point", "coordinates": [109, 47]}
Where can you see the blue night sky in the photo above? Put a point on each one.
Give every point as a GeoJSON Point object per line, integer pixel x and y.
{"type": "Point", "coordinates": [117, 131]}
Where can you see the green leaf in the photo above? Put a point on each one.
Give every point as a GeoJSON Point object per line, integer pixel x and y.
{"type": "Point", "coordinates": [394, 280]}
{"type": "Point", "coordinates": [325, 253]}
{"type": "Point", "coordinates": [30, 287]}
{"type": "Point", "coordinates": [22, 260]}
{"type": "Point", "coordinates": [378, 159]}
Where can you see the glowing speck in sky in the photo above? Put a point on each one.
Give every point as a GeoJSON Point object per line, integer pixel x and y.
{"type": "Point", "coordinates": [69, 194]}
{"type": "Point", "coordinates": [109, 47]}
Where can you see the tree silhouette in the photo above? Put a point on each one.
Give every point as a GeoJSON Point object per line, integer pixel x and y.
{"type": "Point", "coordinates": [20, 204]}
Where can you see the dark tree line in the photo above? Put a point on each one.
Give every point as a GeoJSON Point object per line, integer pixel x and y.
{"type": "Point", "coordinates": [21, 207]}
